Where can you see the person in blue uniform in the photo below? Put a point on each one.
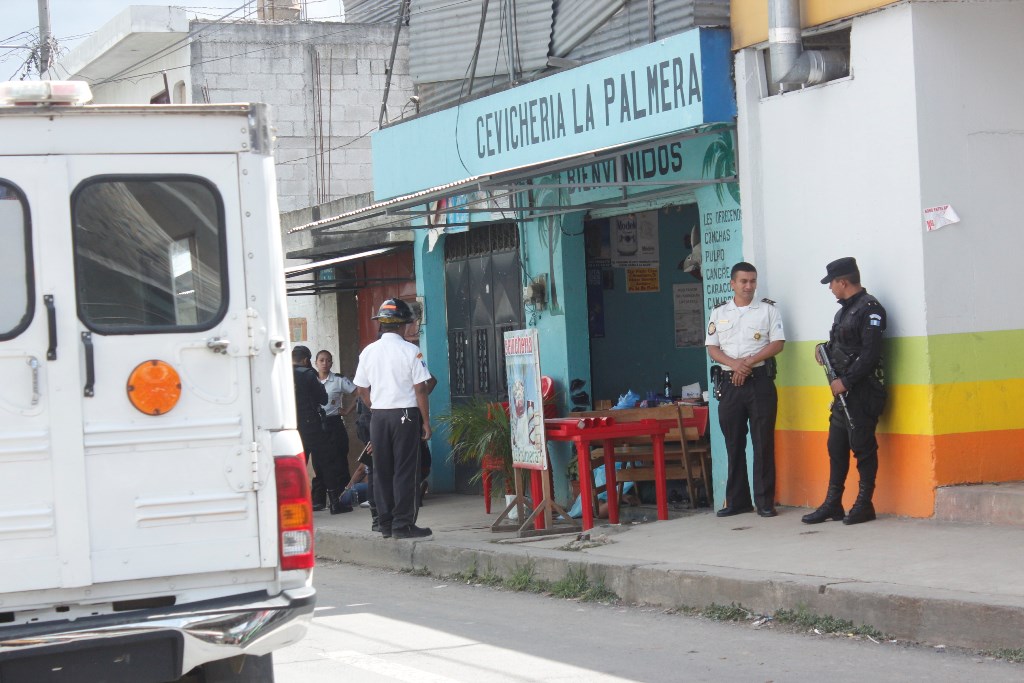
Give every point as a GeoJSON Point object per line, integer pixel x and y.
{"type": "Point", "coordinates": [744, 336]}
{"type": "Point", "coordinates": [393, 381]}
{"type": "Point", "coordinates": [855, 351]}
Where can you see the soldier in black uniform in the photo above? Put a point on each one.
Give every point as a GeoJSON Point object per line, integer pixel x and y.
{"type": "Point", "coordinates": [309, 397]}
{"type": "Point", "coordinates": [855, 351]}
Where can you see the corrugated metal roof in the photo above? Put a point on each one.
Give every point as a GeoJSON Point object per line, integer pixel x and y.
{"type": "Point", "coordinates": [576, 20]}
{"type": "Point", "coordinates": [628, 28]}
{"type": "Point", "coordinates": [585, 30]}
{"type": "Point", "coordinates": [371, 11]}
{"type": "Point", "coordinates": [442, 35]}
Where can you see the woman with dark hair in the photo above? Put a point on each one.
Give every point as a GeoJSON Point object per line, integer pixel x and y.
{"type": "Point", "coordinates": [332, 471]}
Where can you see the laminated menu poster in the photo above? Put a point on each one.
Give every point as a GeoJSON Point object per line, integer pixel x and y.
{"type": "Point", "coordinates": [525, 399]}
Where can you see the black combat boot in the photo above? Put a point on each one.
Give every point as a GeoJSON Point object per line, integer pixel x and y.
{"type": "Point", "coordinates": [334, 500]}
{"type": "Point", "coordinates": [862, 510]}
{"type": "Point", "coordinates": [375, 524]}
{"type": "Point", "coordinates": [319, 495]}
{"type": "Point", "coordinates": [832, 508]}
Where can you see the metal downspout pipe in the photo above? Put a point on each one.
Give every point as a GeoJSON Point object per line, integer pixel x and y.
{"type": "Point", "coordinates": [791, 65]}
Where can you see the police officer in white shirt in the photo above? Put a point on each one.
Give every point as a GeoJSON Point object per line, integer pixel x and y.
{"type": "Point", "coordinates": [332, 471]}
{"type": "Point", "coordinates": [743, 337]}
{"type": "Point", "coordinates": [393, 381]}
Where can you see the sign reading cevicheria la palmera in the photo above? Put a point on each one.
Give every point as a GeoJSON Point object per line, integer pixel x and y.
{"type": "Point", "coordinates": [666, 87]}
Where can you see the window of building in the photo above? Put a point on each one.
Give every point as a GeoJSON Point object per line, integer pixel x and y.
{"type": "Point", "coordinates": [16, 304]}
{"type": "Point", "coordinates": [149, 254]}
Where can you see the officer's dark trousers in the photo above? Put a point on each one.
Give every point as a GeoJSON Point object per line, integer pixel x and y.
{"type": "Point", "coordinates": [330, 463]}
{"type": "Point", "coordinates": [756, 402]}
{"type": "Point", "coordinates": [396, 470]}
{"type": "Point", "coordinates": [865, 403]}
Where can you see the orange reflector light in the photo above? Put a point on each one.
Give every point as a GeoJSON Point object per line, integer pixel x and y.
{"type": "Point", "coordinates": [154, 387]}
{"type": "Point", "coordinates": [294, 515]}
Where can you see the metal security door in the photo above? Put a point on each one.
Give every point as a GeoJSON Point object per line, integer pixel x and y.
{"type": "Point", "coordinates": [483, 300]}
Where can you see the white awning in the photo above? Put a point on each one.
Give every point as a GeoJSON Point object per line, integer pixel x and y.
{"type": "Point", "coordinates": [292, 271]}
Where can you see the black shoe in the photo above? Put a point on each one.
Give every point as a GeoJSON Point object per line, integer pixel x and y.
{"type": "Point", "coordinates": [729, 511]}
{"type": "Point", "coordinates": [385, 531]}
{"type": "Point", "coordinates": [319, 505]}
{"type": "Point", "coordinates": [412, 531]}
{"type": "Point", "coordinates": [767, 511]}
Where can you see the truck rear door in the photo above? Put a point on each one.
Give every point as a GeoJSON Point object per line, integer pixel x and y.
{"type": "Point", "coordinates": [143, 428]}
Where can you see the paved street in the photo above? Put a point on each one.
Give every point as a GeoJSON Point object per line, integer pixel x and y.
{"type": "Point", "coordinates": [374, 625]}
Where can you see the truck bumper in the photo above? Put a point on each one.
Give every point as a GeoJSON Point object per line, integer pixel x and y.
{"type": "Point", "coordinates": [156, 644]}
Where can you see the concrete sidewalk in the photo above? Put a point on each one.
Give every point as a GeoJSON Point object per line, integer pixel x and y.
{"type": "Point", "coordinates": [921, 580]}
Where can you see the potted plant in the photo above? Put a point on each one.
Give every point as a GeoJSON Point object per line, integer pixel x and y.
{"type": "Point", "coordinates": [478, 431]}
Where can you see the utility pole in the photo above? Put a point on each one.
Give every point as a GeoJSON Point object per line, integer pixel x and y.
{"type": "Point", "coordinates": [44, 36]}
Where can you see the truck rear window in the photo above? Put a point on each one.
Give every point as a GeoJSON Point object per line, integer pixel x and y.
{"type": "Point", "coordinates": [149, 254]}
{"type": "Point", "coordinates": [15, 262]}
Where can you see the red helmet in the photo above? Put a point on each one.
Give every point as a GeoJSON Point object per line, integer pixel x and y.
{"type": "Point", "coordinates": [394, 312]}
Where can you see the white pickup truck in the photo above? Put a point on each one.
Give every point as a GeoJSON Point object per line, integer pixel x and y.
{"type": "Point", "coordinates": [155, 521]}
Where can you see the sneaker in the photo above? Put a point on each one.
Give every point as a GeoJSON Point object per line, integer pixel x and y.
{"type": "Point", "coordinates": [365, 504]}
{"type": "Point", "coordinates": [412, 531]}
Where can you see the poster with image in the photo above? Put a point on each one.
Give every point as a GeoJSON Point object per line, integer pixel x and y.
{"type": "Point", "coordinates": [525, 399]}
{"type": "Point", "coordinates": [634, 240]}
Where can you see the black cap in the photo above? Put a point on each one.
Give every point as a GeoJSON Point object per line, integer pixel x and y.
{"type": "Point", "coordinates": [843, 266]}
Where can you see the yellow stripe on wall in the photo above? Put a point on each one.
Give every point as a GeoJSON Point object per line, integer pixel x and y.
{"type": "Point", "coordinates": [805, 409]}
{"type": "Point", "coordinates": [917, 409]}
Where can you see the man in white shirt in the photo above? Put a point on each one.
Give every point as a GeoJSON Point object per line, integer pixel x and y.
{"type": "Point", "coordinates": [744, 336]}
{"type": "Point", "coordinates": [393, 381]}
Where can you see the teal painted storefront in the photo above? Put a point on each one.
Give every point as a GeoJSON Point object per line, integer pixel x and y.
{"type": "Point", "coordinates": [665, 101]}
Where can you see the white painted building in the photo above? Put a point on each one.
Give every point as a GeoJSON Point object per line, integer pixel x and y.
{"type": "Point", "coordinates": [930, 113]}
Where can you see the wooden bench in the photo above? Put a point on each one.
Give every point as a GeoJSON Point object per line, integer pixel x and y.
{"type": "Point", "coordinates": [687, 454]}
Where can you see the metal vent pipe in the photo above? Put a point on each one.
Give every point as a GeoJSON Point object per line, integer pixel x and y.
{"type": "Point", "coordinates": [791, 65]}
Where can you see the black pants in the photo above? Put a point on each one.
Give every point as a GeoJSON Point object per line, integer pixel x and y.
{"type": "Point", "coordinates": [396, 435]}
{"type": "Point", "coordinates": [865, 402]}
{"type": "Point", "coordinates": [756, 402]}
{"type": "Point", "coordinates": [330, 461]}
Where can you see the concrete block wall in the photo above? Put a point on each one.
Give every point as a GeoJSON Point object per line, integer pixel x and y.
{"type": "Point", "coordinates": [274, 63]}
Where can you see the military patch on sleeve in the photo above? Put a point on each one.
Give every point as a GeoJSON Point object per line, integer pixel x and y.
{"type": "Point", "coordinates": [768, 301]}
{"type": "Point", "coordinates": [711, 327]}
{"type": "Point", "coordinates": [875, 320]}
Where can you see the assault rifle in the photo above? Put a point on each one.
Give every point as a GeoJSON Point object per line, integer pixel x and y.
{"type": "Point", "coordinates": [822, 356]}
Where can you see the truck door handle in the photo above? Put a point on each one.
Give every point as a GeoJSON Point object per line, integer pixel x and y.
{"type": "Point", "coordinates": [51, 325]}
{"type": "Point", "coordinates": [218, 344]}
{"type": "Point", "coordinates": [90, 368]}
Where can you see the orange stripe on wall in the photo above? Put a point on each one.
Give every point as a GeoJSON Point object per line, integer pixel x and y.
{"type": "Point", "coordinates": [905, 484]}
{"type": "Point", "coordinates": [974, 457]}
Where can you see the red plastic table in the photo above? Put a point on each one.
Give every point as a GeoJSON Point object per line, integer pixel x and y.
{"type": "Point", "coordinates": [569, 429]}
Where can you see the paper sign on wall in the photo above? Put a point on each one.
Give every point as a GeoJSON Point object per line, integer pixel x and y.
{"type": "Point", "coordinates": [642, 280]}
{"type": "Point", "coordinates": [688, 307]}
{"type": "Point", "coordinates": [939, 216]}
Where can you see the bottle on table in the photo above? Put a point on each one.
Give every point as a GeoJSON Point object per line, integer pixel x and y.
{"type": "Point", "coordinates": [668, 386]}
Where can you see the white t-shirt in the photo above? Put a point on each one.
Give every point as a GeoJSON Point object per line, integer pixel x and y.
{"type": "Point", "coordinates": [389, 368]}
{"type": "Point", "coordinates": [335, 385]}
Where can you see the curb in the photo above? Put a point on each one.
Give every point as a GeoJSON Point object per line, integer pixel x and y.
{"type": "Point", "coordinates": [954, 619]}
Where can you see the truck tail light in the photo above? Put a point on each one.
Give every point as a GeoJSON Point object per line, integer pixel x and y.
{"type": "Point", "coordinates": [294, 512]}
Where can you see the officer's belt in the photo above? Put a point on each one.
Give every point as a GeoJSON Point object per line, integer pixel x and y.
{"type": "Point", "coordinates": [759, 371]}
